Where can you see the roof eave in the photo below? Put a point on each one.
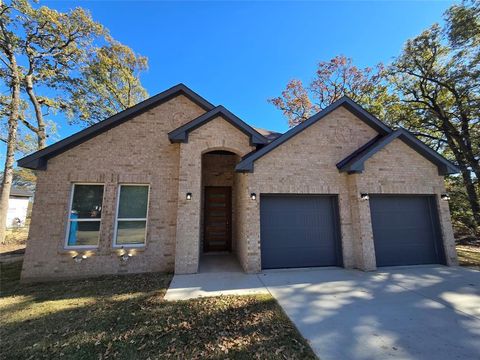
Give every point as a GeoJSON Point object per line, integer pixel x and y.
{"type": "Point", "coordinates": [180, 135]}
{"type": "Point", "coordinates": [30, 161]}
{"type": "Point", "coordinates": [35, 164]}
{"type": "Point", "coordinates": [244, 168]}
{"type": "Point", "coordinates": [357, 164]}
{"type": "Point", "coordinates": [349, 104]}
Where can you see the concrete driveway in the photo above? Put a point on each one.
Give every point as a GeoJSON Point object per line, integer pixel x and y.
{"type": "Point", "coordinates": [397, 313]}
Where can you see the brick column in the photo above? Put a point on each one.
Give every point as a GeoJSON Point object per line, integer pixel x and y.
{"type": "Point", "coordinates": [253, 232]}
{"type": "Point", "coordinates": [447, 231]}
{"type": "Point", "coordinates": [364, 249]}
{"type": "Point", "coordinates": [187, 248]}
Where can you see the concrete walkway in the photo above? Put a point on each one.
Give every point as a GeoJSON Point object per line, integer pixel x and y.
{"type": "Point", "coordinates": [184, 287]}
{"type": "Point", "coordinates": [423, 312]}
{"type": "Point", "coordinates": [397, 313]}
{"type": "Point", "coordinates": [218, 275]}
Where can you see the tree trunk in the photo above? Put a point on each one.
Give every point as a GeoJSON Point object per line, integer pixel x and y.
{"type": "Point", "coordinates": [463, 164]}
{"type": "Point", "coordinates": [41, 127]}
{"type": "Point", "coordinates": [472, 194]}
{"type": "Point", "coordinates": [458, 143]}
{"type": "Point", "coordinates": [11, 145]}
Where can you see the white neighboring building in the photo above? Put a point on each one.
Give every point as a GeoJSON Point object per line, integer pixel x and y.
{"type": "Point", "coordinates": [18, 207]}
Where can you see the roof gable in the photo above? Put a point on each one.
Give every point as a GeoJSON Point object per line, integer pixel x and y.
{"type": "Point", "coordinates": [355, 162]}
{"type": "Point", "coordinates": [181, 134]}
{"type": "Point", "coordinates": [38, 160]}
{"type": "Point", "coordinates": [246, 165]}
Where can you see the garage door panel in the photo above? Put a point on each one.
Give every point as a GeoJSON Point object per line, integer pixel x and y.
{"type": "Point", "coordinates": [288, 257]}
{"type": "Point", "coordinates": [412, 248]}
{"type": "Point", "coordinates": [413, 256]}
{"type": "Point", "coordinates": [299, 236]}
{"type": "Point", "coordinates": [405, 230]}
{"type": "Point", "coordinates": [298, 231]}
{"type": "Point", "coordinates": [402, 220]}
{"type": "Point", "coordinates": [399, 236]}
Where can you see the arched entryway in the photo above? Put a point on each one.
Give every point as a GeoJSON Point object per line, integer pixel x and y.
{"type": "Point", "coordinates": [218, 242]}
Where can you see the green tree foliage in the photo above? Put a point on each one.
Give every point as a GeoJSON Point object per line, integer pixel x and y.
{"type": "Point", "coordinates": [109, 83]}
{"type": "Point", "coordinates": [72, 66]}
{"type": "Point", "coordinates": [463, 26]}
{"type": "Point", "coordinates": [460, 209]}
{"type": "Point", "coordinates": [334, 79]}
{"type": "Point", "coordinates": [437, 76]}
{"type": "Point", "coordinates": [53, 45]}
{"type": "Point", "coordinates": [57, 63]}
{"type": "Point", "coordinates": [432, 88]}
{"type": "Point", "coordinates": [23, 178]}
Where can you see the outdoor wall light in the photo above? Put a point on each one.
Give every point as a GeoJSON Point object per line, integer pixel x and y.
{"type": "Point", "coordinates": [188, 196]}
{"type": "Point", "coordinates": [79, 258]}
{"type": "Point", "coordinates": [364, 196]}
{"type": "Point", "coordinates": [253, 196]}
{"type": "Point", "coordinates": [125, 257]}
{"type": "Point", "coordinates": [445, 197]}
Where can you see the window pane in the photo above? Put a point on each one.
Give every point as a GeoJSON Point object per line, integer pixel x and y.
{"type": "Point", "coordinates": [131, 232]}
{"type": "Point", "coordinates": [83, 233]}
{"type": "Point", "coordinates": [133, 202]}
{"type": "Point", "coordinates": [87, 202]}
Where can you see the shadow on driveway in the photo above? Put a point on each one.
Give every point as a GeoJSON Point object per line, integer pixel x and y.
{"type": "Point", "coordinates": [424, 312]}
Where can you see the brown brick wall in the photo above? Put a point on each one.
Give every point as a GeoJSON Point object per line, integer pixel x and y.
{"type": "Point", "coordinates": [306, 164]}
{"type": "Point", "coordinates": [217, 134]}
{"type": "Point", "coordinates": [248, 250]}
{"type": "Point", "coordinates": [137, 151]}
{"type": "Point", "coordinates": [398, 169]}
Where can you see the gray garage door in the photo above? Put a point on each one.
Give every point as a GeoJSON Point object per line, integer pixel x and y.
{"type": "Point", "coordinates": [299, 231]}
{"type": "Point", "coordinates": [406, 230]}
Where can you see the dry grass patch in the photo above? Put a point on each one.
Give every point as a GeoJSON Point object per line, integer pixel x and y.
{"type": "Point", "coordinates": [469, 255]}
{"type": "Point", "coordinates": [125, 317]}
{"type": "Point", "coordinates": [15, 239]}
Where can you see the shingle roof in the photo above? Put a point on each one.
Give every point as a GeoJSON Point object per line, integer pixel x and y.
{"type": "Point", "coordinates": [269, 134]}
{"type": "Point", "coordinates": [15, 191]}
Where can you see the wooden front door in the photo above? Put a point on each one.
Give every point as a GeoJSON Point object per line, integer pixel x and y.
{"type": "Point", "coordinates": [217, 218]}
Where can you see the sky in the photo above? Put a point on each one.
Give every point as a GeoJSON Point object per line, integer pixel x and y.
{"type": "Point", "coordinates": [239, 54]}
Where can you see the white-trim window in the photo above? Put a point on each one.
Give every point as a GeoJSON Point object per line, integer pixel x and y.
{"type": "Point", "coordinates": [84, 216]}
{"type": "Point", "coordinates": [132, 214]}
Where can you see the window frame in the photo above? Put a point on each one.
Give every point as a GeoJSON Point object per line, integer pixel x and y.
{"type": "Point", "coordinates": [117, 219]}
{"type": "Point", "coordinates": [72, 192]}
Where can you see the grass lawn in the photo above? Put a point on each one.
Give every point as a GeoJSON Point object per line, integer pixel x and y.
{"type": "Point", "coordinates": [125, 317]}
{"type": "Point", "coordinates": [469, 255]}
{"type": "Point", "coordinates": [15, 239]}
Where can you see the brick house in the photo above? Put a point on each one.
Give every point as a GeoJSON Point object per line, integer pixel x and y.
{"type": "Point", "coordinates": [158, 186]}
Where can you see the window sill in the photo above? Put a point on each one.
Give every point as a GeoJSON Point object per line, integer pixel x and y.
{"type": "Point", "coordinates": [95, 249]}
{"type": "Point", "coordinates": [77, 249]}
{"type": "Point", "coordinates": [129, 247]}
